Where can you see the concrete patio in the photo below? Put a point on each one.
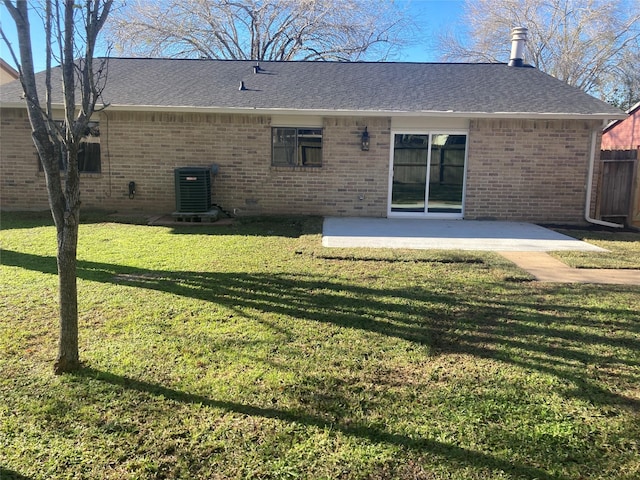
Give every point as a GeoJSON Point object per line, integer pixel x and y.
{"type": "Point", "coordinates": [447, 235]}
{"type": "Point", "coordinates": [524, 244]}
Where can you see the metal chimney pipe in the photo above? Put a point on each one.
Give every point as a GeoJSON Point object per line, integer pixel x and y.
{"type": "Point", "coordinates": [518, 39]}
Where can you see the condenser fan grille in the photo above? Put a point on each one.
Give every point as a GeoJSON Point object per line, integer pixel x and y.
{"type": "Point", "coordinates": [193, 189]}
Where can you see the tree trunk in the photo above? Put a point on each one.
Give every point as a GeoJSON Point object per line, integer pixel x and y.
{"type": "Point", "coordinates": [48, 139]}
{"type": "Point", "coordinates": [68, 356]}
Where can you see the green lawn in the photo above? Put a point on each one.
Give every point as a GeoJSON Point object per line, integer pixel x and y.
{"type": "Point", "coordinates": [624, 250]}
{"type": "Point", "coordinates": [249, 351]}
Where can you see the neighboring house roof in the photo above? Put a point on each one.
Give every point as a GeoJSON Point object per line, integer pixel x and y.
{"type": "Point", "coordinates": [7, 72]}
{"type": "Point", "coordinates": [624, 133]}
{"type": "Point", "coordinates": [447, 89]}
{"type": "Point", "coordinates": [630, 112]}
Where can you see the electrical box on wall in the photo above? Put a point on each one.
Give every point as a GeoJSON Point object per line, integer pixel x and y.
{"type": "Point", "coordinates": [193, 189]}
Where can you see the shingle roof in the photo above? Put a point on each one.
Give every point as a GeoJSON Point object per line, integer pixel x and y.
{"type": "Point", "coordinates": [367, 88]}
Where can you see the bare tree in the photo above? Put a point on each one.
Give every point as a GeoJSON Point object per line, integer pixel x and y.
{"type": "Point", "coordinates": [582, 42]}
{"type": "Point", "coordinates": [622, 87]}
{"type": "Point", "coordinates": [259, 29]}
{"type": "Point", "coordinates": [71, 29]}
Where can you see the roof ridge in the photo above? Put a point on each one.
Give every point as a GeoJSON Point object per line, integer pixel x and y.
{"type": "Point", "coordinates": [321, 62]}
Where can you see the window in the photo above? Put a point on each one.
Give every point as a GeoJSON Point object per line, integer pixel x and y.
{"type": "Point", "coordinates": [296, 147]}
{"type": "Point", "coordinates": [89, 152]}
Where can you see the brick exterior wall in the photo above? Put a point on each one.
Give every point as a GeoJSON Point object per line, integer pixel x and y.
{"type": "Point", "coordinates": [22, 186]}
{"type": "Point", "coordinates": [528, 170]}
{"type": "Point", "coordinates": [146, 147]}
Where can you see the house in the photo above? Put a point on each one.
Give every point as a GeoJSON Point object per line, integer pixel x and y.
{"type": "Point", "coordinates": [623, 134]}
{"type": "Point", "coordinates": [420, 140]}
{"type": "Point", "coordinates": [7, 72]}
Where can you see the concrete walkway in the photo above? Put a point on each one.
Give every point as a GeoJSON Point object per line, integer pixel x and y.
{"type": "Point", "coordinates": [545, 268]}
{"type": "Point", "coordinates": [521, 243]}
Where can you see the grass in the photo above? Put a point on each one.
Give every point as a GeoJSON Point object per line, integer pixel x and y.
{"type": "Point", "coordinates": [624, 250]}
{"type": "Point", "coordinates": [250, 351]}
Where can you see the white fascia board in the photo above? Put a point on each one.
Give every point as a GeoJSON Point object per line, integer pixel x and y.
{"type": "Point", "coordinates": [559, 116]}
{"type": "Point", "coordinates": [371, 113]}
{"type": "Point", "coordinates": [13, 105]}
{"type": "Point", "coordinates": [351, 113]}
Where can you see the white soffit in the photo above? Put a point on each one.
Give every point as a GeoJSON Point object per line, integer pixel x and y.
{"type": "Point", "coordinates": [296, 121]}
{"type": "Point", "coordinates": [429, 123]}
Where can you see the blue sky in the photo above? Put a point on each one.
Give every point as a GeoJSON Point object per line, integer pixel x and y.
{"type": "Point", "coordinates": [431, 16]}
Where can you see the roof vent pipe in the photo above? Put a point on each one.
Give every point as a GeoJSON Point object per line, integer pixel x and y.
{"type": "Point", "coordinates": [518, 39]}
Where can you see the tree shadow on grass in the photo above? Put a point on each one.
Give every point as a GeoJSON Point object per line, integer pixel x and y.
{"type": "Point", "coordinates": [25, 220]}
{"type": "Point", "coordinates": [6, 474]}
{"type": "Point", "coordinates": [509, 327]}
{"type": "Point", "coordinates": [292, 226]}
{"type": "Point", "coordinates": [263, 226]}
{"type": "Point", "coordinates": [449, 452]}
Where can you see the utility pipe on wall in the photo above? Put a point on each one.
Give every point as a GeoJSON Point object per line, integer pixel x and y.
{"type": "Point", "coordinates": [587, 203]}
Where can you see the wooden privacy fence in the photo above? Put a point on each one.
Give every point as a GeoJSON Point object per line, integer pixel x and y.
{"type": "Point", "coordinates": [616, 184]}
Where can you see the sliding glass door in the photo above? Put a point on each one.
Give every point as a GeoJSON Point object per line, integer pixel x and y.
{"type": "Point", "coordinates": [410, 163]}
{"type": "Point", "coordinates": [427, 174]}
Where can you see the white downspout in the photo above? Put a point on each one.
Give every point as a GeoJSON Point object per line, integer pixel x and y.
{"type": "Point", "coordinates": [587, 203]}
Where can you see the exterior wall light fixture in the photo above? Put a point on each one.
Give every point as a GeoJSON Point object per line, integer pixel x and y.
{"type": "Point", "coordinates": [365, 140]}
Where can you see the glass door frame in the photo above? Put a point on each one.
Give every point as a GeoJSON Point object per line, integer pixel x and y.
{"type": "Point", "coordinates": [426, 214]}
